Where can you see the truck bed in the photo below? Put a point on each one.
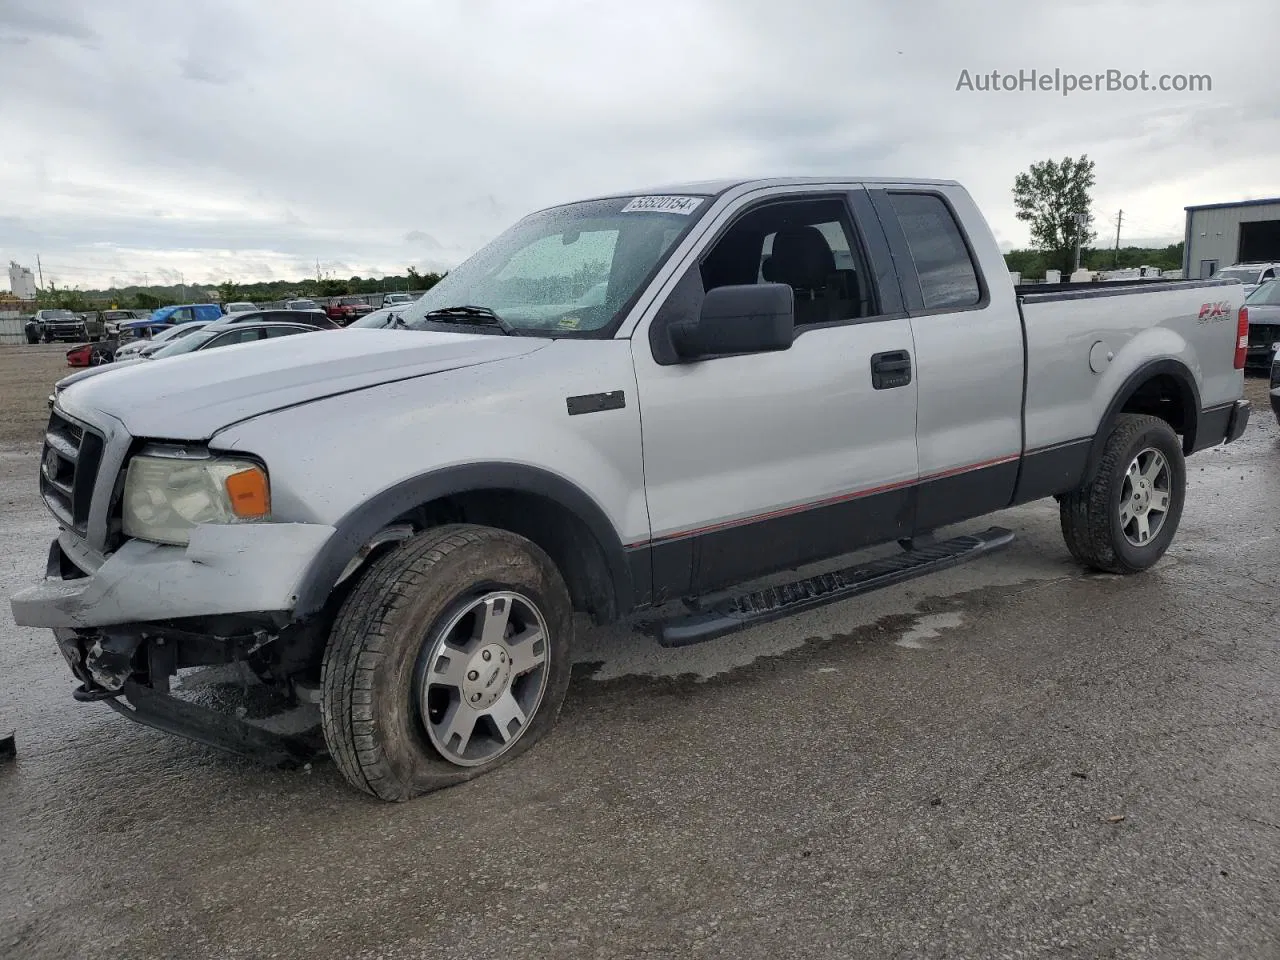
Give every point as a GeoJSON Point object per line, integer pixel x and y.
{"type": "Point", "coordinates": [1084, 341]}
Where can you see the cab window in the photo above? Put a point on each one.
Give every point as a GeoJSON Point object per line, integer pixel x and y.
{"type": "Point", "coordinates": [807, 245]}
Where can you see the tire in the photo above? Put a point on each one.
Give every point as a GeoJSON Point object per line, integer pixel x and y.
{"type": "Point", "coordinates": [1113, 522]}
{"type": "Point", "coordinates": [389, 729]}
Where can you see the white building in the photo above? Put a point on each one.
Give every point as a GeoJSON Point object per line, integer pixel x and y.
{"type": "Point", "coordinates": [22, 282]}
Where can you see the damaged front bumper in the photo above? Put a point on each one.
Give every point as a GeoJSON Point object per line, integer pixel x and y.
{"type": "Point", "coordinates": [225, 569]}
{"type": "Point", "coordinates": [129, 668]}
{"type": "Point", "coordinates": [126, 623]}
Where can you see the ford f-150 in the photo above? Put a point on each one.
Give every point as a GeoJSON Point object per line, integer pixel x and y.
{"type": "Point", "coordinates": [619, 402]}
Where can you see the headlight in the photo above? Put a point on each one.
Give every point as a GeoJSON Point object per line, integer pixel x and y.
{"type": "Point", "coordinates": [164, 497]}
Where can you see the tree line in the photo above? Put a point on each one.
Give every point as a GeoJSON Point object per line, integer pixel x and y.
{"type": "Point", "coordinates": [1033, 263]}
{"type": "Point", "coordinates": [159, 295]}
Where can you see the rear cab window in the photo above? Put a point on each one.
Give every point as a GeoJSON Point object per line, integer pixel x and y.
{"type": "Point", "coordinates": [944, 267]}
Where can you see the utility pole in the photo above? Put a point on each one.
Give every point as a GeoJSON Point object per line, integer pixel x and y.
{"type": "Point", "coordinates": [182, 296]}
{"type": "Point", "coordinates": [1081, 219]}
{"type": "Point", "coordinates": [40, 271]}
{"type": "Point", "coordinates": [1115, 259]}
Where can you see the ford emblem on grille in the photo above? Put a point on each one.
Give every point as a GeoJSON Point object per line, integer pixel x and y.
{"type": "Point", "coordinates": [50, 465]}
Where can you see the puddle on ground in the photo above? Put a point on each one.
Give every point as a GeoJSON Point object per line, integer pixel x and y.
{"type": "Point", "coordinates": [928, 628]}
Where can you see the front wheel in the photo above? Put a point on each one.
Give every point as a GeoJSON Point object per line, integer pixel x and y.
{"type": "Point", "coordinates": [449, 658]}
{"type": "Point", "coordinates": [1124, 518]}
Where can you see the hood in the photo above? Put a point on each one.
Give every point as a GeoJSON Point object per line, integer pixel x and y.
{"type": "Point", "coordinates": [92, 372]}
{"type": "Point", "coordinates": [191, 397]}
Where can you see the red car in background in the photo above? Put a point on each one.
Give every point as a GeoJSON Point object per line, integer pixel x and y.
{"type": "Point", "coordinates": [346, 310]}
{"type": "Point", "coordinates": [91, 354]}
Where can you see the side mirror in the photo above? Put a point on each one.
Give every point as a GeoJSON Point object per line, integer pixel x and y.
{"type": "Point", "coordinates": [752, 318]}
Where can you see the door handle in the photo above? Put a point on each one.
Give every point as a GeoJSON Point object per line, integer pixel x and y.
{"type": "Point", "coordinates": [890, 369]}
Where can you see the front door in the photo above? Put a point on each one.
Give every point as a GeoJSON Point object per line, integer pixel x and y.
{"type": "Point", "coordinates": [761, 462]}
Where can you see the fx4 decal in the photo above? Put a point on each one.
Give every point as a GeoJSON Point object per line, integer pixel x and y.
{"type": "Point", "coordinates": [1214, 311]}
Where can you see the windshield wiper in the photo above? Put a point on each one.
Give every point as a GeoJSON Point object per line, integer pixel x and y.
{"type": "Point", "coordinates": [468, 313]}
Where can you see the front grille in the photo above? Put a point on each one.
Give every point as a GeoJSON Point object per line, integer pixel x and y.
{"type": "Point", "coordinates": [69, 469]}
{"type": "Point", "coordinates": [1263, 334]}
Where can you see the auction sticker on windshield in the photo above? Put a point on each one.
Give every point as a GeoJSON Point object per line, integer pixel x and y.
{"type": "Point", "coordinates": [682, 205]}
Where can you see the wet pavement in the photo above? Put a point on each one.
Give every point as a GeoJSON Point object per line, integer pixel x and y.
{"type": "Point", "coordinates": [1010, 759]}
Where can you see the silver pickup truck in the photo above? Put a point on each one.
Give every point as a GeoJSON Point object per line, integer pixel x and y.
{"type": "Point", "coordinates": [649, 397]}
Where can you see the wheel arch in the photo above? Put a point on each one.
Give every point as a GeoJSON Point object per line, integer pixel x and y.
{"type": "Point", "coordinates": [1160, 388]}
{"type": "Point", "coordinates": [556, 514]}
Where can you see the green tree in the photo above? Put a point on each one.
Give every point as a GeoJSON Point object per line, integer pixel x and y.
{"type": "Point", "coordinates": [228, 291]}
{"type": "Point", "coordinates": [1048, 197]}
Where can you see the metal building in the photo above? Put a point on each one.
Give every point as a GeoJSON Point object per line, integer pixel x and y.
{"type": "Point", "coordinates": [1220, 234]}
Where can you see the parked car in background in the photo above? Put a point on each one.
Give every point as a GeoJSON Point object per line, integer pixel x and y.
{"type": "Point", "coordinates": [228, 334]}
{"type": "Point", "coordinates": [187, 312]}
{"type": "Point", "coordinates": [346, 310]}
{"type": "Point", "coordinates": [114, 319]}
{"type": "Point", "coordinates": [1251, 275]}
{"type": "Point", "coordinates": [145, 335]}
{"type": "Point", "coordinates": [391, 299]}
{"type": "Point", "coordinates": [243, 306]}
{"type": "Point", "coordinates": [91, 354]}
{"type": "Point", "coordinates": [303, 304]}
{"type": "Point", "coordinates": [312, 319]}
{"type": "Point", "coordinates": [55, 323]}
{"type": "Point", "coordinates": [1264, 327]}
{"type": "Point", "coordinates": [1275, 382]}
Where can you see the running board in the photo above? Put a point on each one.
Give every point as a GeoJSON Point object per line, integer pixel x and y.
{"type": "Point", "coordinates": [773, 603]}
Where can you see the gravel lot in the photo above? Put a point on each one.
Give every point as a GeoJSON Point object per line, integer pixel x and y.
{"type": "Point", "coordinates": [1010, 759]}
{"type": "Point", "coordinates": [27, 374]}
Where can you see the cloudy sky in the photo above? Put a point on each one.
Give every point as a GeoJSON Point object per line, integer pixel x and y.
{"type": "Point", "coordinates": [248, 139]}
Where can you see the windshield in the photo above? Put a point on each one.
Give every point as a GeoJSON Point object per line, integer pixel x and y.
{"type": "Point", "coordinates": [302, 305]}
{"type": "Point", "coordinates": [58, 314]}
{"type": "Point", "coordinates": [1266, 295]}
{"type": "Point", "coordinates": [240, 307]}
{"type": "Point", "coordinates": [1244, 276]}
{"type": "Point", "coordinates": [570, 269]}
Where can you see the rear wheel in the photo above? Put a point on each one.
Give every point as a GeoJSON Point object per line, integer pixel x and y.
{"type": "Point", "coordinates": [449, 658]}
{"type": "Point", "coordinates": [1124, 518]}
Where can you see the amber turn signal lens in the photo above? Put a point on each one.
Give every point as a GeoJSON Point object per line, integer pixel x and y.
{"type": "Point", "coordinates": [247, 491]}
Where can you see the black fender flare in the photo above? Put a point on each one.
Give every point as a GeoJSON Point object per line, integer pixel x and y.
{"type": "Point", "coordinates": [359, 525]}
{"type": "Point", "coordinates": [1190, 396]}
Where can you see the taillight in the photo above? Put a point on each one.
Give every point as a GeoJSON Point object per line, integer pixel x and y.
{"type": "Point", "coordinates": [1242, 337]}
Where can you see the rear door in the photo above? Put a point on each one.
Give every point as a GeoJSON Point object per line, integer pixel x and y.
{"type": "Point", "coordinates": [760, 462]}
{"type": "Point", "coordinates": [968, 351]}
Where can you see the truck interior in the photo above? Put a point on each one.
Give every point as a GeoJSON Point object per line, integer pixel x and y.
{"type": "Point", "coordinates": [806, 245]}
